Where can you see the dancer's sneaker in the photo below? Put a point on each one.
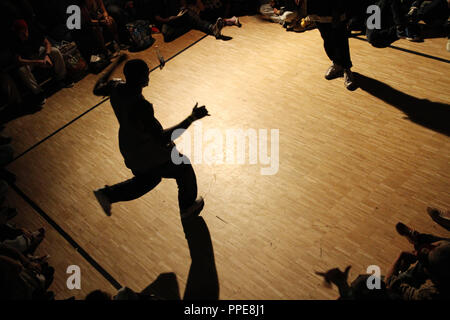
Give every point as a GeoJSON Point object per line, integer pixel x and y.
{"type": "Point", "coordinates": [349, 80]}
{"type": "Point", "coordinates": [103, 201]}
{"type": "Point", "coordinates": [193, 210]}
{"type": "Point", "coordinates": [334, 72]}
{"type": "Point", "coordinates": [217, 28]}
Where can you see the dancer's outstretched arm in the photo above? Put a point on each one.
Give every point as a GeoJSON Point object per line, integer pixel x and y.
{"type": "Point", "coordinates": [197, 113]}
{"type": "Point", "coordinates": [101, 87]}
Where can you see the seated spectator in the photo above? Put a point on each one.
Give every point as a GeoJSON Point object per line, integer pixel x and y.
{"type": "Point", "coordinates": [424, 273]}
{"type": "Point", "coordinates": [358, 289]}
{"type": "Point", "coordinates": [24, 241]}
{"type": "Point", "coordinates": [211, 10]}
{"type": "Point", "coordinates": [33, 50]}
{"type": "Point", "coordinates": [95, 19]}
{"type": "Point", "coordinates": [22, 278]}
{"type": "Point", "coordinates": [433, 12]}
{"type": "Point", "coordinates": [126, 11]}
{"type": "Point", "coordinates": [280, 11]}
{"type": "Point", "coordinates": [174, 20]}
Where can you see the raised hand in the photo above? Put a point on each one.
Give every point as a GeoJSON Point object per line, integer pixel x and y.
{"type": "Point", "coordinates": [199, 113]}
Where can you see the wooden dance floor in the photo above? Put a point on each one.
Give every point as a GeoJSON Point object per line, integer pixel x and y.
{"type": "Point", "coordinates": [351, 165]}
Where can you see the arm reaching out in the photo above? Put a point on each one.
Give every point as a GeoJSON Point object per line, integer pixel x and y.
{"type": "Point", "coordinates": [101, 87]}
{"type": "Point", "coordinates": [197, 114]}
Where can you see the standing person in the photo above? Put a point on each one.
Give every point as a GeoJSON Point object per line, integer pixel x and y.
{"type": "Point", "coordinates": [330, 18]}
{"type": "Point", "coordinates": [144, 144]}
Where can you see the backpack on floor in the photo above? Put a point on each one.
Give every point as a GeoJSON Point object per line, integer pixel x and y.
{"type": "Point", "coordinates": [75, 64]}
{"type": "Point", "coordinates": [140, 35]}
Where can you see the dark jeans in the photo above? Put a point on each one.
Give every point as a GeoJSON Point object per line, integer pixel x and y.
{"type": "Point", "coordinates": [190, 20]}
{"type": "Point", "coordinates": [336, 45]}
{"type": "Point", "coordinates": [142, 183]}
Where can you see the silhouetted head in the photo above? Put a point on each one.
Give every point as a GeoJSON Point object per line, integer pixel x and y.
{"type": "Point", "coordinates": [136, 73]}
{"type": "Point", "coordinates": [98, 295]}
{"type": "Point", "coordinates": [20, 28]}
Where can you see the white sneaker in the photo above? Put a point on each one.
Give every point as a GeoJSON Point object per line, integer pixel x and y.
{"type": "Point", "coordinates": [103, 201]}
{"type": "Point", "coordinates": [193, 210]}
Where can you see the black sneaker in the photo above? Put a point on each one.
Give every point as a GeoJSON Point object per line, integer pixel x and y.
{"type": "Point", "coordinates": [334, 72]}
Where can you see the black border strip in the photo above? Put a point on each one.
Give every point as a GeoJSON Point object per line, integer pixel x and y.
{"type": "Point", "coordinates": [409, 51]}
{"type": "Point", "coordinates": [69, 239]}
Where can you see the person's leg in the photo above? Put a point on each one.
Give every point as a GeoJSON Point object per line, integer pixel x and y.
{"type": "Point", "coordinates": [120, 16]}
{"type": "Point", "coordinates": [131, 189]}
{"type": "Point", "coordinates": [59, 66]}
{"type": "Point", "coordinates": [198, 23]}
{"type": "Point", "coordinates": [171, 31]}
{"type": "Point", "coordinates": [267, 11]}
{"type": "Point", "coordinates": [436, 11]}
{"type": "Point", "coordinates": [27, 77]}
{"type": "Point", "coordinates": [341, 49]}
{"type": "Point", "coordinates": [112, 27]}
{"type": "Point", "coordinates": [186, 181]}
{"type": "Point", "coordinates": [328, 41]}
{"type": "Point", "coordinates": [9, 91]}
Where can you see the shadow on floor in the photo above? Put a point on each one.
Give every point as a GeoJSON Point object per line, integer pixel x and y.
{"type": "Point", "coordinates": [202, 282]}
{"type": "Point", "coordinates": [429, 114]}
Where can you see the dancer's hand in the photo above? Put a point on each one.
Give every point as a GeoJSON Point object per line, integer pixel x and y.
{"type": "Point", "coordinates": [199, 113]}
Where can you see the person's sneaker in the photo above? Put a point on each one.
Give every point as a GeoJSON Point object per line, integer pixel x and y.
{"type": "Point", "coordinates": [401, 32]}
{"type": "Point", "coordinates": [103, 201]}
{"type": "Point", "coordinates": [412, 35]}
{"type": "Point", "coordinates": [349, 80]}
{"type": "Point", "coordinates": [193, 210]}
{"type": "Point", "coordinates": [334, 72]}
{"type": "Point", "coordinates": [237, 22]}
{"type": "Point", "coordinates": [406, 231]}
{"type": "Point", "coordinates": [217, 28]}
{"type": "Point", "coordinates": [440, 217]}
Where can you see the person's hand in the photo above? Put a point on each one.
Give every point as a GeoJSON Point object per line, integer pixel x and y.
{"type": "Point", "coordinates": [48, 61]}
{"type": "Point", "coordinates": [335, 275]}
{"type": "Point", "coordinates": [199, 113]}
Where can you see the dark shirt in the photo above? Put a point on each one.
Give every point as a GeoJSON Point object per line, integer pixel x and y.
{"type": "Point", "coordinates": [141, 137]}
